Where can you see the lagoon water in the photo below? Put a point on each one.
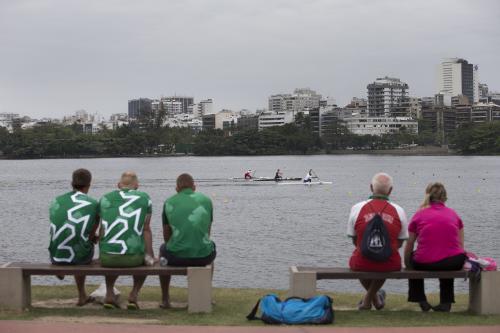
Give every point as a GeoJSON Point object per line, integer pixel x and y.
{"type": "Point", "coordinates": [260, 228]}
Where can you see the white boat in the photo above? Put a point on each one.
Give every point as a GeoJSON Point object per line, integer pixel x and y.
{"type": "Point", "coordinates": [264, 179]}
{"type": "Point", "coordinates": [306, 183]}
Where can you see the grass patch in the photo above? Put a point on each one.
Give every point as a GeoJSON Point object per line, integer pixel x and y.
{"type": "Point", "coordinates": [57, 304]}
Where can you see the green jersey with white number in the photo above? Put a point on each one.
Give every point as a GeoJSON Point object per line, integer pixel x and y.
{"type": "Point", "coordinates": [72, 217]}
{"type": "Point", "coordinates": [123, 213]}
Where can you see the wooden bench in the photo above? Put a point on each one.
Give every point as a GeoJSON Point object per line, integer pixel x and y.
{"type": "Point", "coordinates": [15, 281]}
{"type": "Point", "coordinates": [484, 292]}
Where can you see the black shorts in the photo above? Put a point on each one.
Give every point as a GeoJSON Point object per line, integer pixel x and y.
{"type": "Point", "coordinates": [173, 260]}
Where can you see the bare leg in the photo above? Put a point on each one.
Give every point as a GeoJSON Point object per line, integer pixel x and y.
{"type": "Point", "coordinates": [366, 301]}
{"type": "Point", "coordinates": [372, 292]}
{"type": "Point", "coordinates": [110, 286]}
{"type": "Point", "coordinates": [366, 284]}
{"type": "Point", "coordinates": [80, 285]}
{"type": "Point", "coordinates": [138, 282]}
{"type": "Point", "coordinates": [165, 294]}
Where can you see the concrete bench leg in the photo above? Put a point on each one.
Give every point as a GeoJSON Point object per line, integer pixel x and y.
{"type": "Point", "coordinates": [484, 294]}
{"type": "Point", "coordinates": [199, 289]}
{"type": "Point", "coordinates": [302, 284]}
{"type": "Point", "coordinates": [15, 289]}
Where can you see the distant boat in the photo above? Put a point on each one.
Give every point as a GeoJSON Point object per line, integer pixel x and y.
{"type": "Point", "coordinates": [265, 179]}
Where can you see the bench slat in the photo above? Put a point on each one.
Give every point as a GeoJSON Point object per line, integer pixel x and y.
{"type": "Point", "coordinates": [323, 273]}
{"type": "Point", "coordinates": [96, 269]}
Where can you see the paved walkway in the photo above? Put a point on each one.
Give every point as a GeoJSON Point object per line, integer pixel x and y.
{"type": "Point", "coordinates": [42, 327]}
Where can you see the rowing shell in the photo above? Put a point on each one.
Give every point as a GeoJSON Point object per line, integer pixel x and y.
{"type": "Point", "coordinates": [264, 179]}
{"type": "Point", "coordinates": [311, 183]}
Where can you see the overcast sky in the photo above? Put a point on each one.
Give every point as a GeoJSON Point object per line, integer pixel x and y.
{"type": "Point", "coordinates": [58, 56]}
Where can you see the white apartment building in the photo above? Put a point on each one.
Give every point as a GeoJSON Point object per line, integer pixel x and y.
{"type": "Point", "coordinates": [202, 108]}
{"type": "Point", "coordinates": [273, 118]}
{"type": "Point", "coordinates": [457, 76]}
{"type": "Point", "coordinates": [301, 100]}
{"type": "Point", "coordinates": [171, 107]}
{"type": "Point", "coordinates": [380, 125]}
{"type": "Point", "coordinates": [388, 97]}
{"type": "Point", "coordinates": [223, 119]}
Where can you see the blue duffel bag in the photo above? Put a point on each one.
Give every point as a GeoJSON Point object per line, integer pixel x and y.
{"type": "Point", "coordinates": [294, 310]}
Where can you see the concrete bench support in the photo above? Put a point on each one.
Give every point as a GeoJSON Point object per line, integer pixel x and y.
{"type": "Point", "coordinates": [15, 289]}
{"type": "Point", "coordinates": [302, 283]}
{"type": "Point", "coordinates": [199, 289]}
{"type": "Point", "coordinates": [484, 293]}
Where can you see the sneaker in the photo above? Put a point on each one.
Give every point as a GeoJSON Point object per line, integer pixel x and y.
{"type": "Point", "coordinates": [425, 306]}
{"type": "Point", "coordinates": [442, 307]}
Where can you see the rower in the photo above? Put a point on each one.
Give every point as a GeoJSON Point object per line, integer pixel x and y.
{"type": "Point", "coordinates": [248, 174]}
{"type": "Point", "coordinates": [278, 176]}
{"type": "Point", "coordinates": [308, 177]}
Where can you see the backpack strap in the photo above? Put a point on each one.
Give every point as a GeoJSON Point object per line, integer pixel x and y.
{"type": "Point", "coordinates": [380, 213]}
{"type": "Point", "coordinates": [252, 314]}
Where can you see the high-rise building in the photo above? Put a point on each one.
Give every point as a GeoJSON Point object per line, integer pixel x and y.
{"type": "Point", "coordinates": [301, 100]}
{"type": "Point", "coordinates": [137, 107]}
{"type": "Point", "coordinates": [202, 108]}
{"type": "Point", "coordinates": [483, 91]}
{"type": "Point", "coordinates": [181, 103]}
{"type": "Point", "coordinates": [388, 97]}
{"type": "Point", "coordinates": [415, 107]}
{"type": "Point", "coordinates": [457, 76]}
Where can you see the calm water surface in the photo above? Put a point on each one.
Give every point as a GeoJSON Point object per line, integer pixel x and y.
{"type": "Point", "coordinates": [260, 229]}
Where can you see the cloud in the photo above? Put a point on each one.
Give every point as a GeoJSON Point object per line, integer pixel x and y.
{"type": "Point", "coordinates": [59, 56]}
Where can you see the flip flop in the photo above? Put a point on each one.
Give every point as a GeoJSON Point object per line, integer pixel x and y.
{"type": "Point", "coordinates": [363, 308]}
{"type": "Point", "coordinates": [111, 306]}
{"type": "Point", "coordinates": [89, 299]}
{"type": "Point", "coordinates": [132, 306]}
{"type": "Point", "coordinates": [381, 296]}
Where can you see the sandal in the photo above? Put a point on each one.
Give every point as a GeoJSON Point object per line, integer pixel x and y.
{"type": "Point", "coordinates": [111, 306]}
{"type": "Point", "coordinates": [132, 306]}
{"type": "Point", "coordinates": [363, 308]}
{"type": "Point", "coordinates": [88, 300]}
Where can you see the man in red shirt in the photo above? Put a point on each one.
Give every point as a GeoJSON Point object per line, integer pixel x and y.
{"type": "Point", "coordinates": [394, 219]}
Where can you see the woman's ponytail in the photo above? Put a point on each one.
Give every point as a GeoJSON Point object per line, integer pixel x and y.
{"type": "Point", "coordinates": [435, 192]}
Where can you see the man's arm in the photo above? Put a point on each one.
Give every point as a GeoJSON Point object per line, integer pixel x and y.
{"type": "Point", "coordinates": [148, 237]}
{"type": "Point", "coordinates": [167, 230]}
{"type": "Point", "coordinates": [410, 243]}
{"type": "Point", "coordinates": [93, 237]}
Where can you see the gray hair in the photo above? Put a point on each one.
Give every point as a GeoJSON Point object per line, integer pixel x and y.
{"type": "Point", "coordinates": [381, 183]}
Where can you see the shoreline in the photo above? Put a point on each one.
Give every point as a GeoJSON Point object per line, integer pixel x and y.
{"type": "Point", "coordinates": [424, 151]}
{"type": "Point", "coordinates": [419, 151]}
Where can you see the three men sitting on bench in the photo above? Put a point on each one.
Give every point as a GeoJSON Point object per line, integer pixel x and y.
{"type": "Point", "coordinates": [125, 238]}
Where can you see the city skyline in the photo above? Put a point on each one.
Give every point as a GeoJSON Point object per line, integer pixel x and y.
{"type": "Point", "coordinates": [86, 55]}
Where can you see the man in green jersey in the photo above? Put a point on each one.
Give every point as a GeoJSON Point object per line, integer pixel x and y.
{"type": "Point", "coordinates": [73, 223]}
{"type": "Point", "coordinates": [125, 234]}
{"type": "Point", "coordinates": [187, 220]}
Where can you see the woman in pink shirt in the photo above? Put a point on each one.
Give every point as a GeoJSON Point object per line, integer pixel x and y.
{"type": "Point", "coordinates": [439, 233]}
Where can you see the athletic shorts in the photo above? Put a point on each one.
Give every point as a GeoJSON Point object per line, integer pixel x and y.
{"type": "Point", "coordinates": [173, 260]}
{"type": "Point", "coordinates": [121, 260]}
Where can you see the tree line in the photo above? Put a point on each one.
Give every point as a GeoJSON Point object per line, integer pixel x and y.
{"type": "Point", "coordinates": [53, 140]}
